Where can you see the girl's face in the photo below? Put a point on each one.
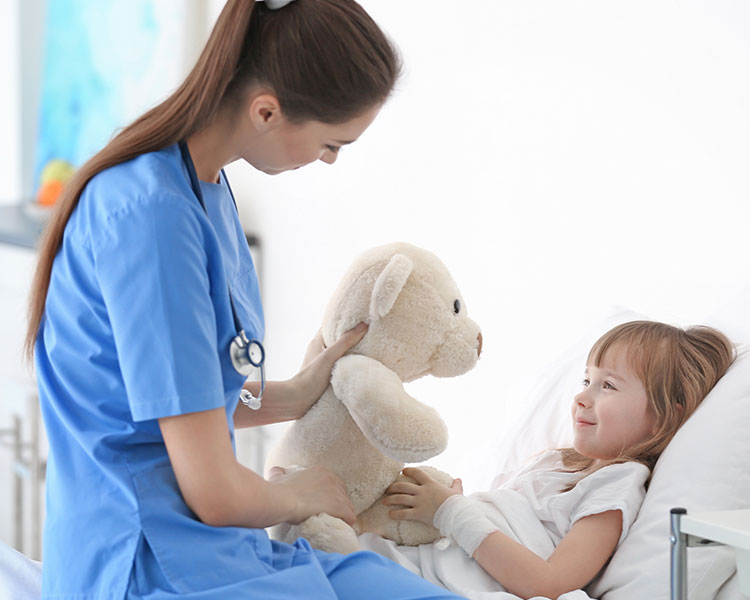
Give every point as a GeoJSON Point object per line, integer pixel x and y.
{"type": "Point", "coordinates": [289, 146]}
{"type": "Point", "coordinates": [611, 414]}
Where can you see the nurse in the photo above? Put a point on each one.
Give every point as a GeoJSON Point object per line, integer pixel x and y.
{"type": "Point", "coordinates": [131, 323]}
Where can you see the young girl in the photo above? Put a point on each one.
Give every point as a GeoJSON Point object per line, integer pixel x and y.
{"type": "Point", "coordinates": [145, 315]}
{"type": "Point", "coordinates": [551, 526]}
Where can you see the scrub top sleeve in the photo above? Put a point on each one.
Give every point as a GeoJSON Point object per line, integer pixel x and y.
{"type": "Point", "coordinates": [153, 270]}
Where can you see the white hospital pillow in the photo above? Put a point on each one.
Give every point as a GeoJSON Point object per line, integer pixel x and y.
{"type": "Point", "coordinates": [544, 421]}
{"type": "Point", "coordinates": [706, 467]}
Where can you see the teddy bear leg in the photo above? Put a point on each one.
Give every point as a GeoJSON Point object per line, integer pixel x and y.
{"type": "Point", "coordinates": [328, 533]}
{"type": "Point", "coordinates": [406, 533]}
{"type": "Point", "coordinates": [376, 520]}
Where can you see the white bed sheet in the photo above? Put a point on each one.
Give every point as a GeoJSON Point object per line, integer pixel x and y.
{"type": "Point", "coordinates": [466, 577]}
{"type": "Point", "coordinates": [20, 577]}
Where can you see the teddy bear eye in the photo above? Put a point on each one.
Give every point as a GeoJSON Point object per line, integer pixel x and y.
{"type": "Point", "coordinates": [457, 306]}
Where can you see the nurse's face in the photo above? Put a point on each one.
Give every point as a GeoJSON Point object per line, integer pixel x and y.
{"type": "Point", "coordinates": [284, 146]}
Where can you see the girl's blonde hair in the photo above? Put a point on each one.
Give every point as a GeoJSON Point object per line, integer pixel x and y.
{"type": "Point", "coordinates": [678, 368]}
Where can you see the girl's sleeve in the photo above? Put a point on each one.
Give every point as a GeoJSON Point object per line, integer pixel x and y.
{"type": "Point", "coordinates": [152, 268]}
{"type": "Point", "coordinates": [615, 487]}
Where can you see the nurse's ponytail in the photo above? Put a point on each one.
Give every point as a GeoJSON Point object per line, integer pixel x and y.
{"type": "Point", "coordinates": [326, 60]}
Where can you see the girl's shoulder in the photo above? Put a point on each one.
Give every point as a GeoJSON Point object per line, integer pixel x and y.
{"type": "Point", "coordinates": [617, 486]}
{"type": "Point", "coordinates": [629, 468]}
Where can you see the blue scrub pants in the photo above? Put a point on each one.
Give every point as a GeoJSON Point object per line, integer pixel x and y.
{"type": "Point", "coordinates": [303, 573]}
{"type": "Point", "coordinates": [366, 575]}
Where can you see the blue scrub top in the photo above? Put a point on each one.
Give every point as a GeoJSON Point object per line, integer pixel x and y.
{"type": "Point", "coordinates": [137, 327]}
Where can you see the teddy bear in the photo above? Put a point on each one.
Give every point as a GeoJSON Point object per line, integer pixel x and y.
{"type": "Point", "coordinates": [365, 426]}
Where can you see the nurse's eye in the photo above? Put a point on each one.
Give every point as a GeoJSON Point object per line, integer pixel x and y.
{"type": "Point", "coordinates": [334, 149]}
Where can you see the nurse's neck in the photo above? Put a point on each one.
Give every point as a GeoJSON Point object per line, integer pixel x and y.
{"type": "Point", "coordinates": [212, 148]}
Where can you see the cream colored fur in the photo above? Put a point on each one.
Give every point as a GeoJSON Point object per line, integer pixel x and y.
{"type": "Point", "coordinates": [365, 426]}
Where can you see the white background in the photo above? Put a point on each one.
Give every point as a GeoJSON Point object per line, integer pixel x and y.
{"type": "Point", "coordinates": [559, 156]}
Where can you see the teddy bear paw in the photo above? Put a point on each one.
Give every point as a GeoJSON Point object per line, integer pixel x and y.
{"type": "Point", "coordinates": [328, 533]}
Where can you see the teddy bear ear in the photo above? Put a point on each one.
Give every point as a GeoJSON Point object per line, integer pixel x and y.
{"type": "Point", "coordinates": [389, 285]}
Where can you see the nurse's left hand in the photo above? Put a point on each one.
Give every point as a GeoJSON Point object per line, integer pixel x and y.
{"type": "Point", "coordinates": [314, 349]}
{"type": "Point", "coordinates": [315, 374]}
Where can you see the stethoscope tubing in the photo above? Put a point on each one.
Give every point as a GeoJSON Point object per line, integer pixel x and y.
{"type": "Point", "coordinates": [241, 348]}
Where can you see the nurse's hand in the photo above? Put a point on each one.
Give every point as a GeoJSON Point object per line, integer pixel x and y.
{"type": "Point", "coordinates": [315, 374]}
{"type": "Point", "coordinates": [290, 399]}
{"type": "Point", "coordinates": [315, 490]}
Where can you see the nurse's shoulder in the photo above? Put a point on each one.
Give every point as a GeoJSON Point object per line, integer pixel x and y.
{"type": "Point", "coordinates": [149, 190]}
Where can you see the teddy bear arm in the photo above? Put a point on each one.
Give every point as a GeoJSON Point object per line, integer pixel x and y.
{"type": "Point", "coordinates": [394, 422]}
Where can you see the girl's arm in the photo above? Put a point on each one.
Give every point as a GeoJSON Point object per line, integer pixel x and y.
{"type": "Point", "coordinates": [289, 400]}
{"type": "Point", "coordinates": [574, 563]}
{"type": "Point", "coordinates": [223, 493]}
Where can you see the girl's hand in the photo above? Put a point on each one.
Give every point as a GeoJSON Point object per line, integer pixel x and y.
{"type": "Point", "coordinates": [315, 490]}
{"type": "Point", "coordinates": [420, 499]}
{"type": "Point", "coordinates": [315, 373]}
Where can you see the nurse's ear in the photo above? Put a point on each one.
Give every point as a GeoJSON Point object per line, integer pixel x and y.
{"type": "Point", "coordinates": [264, 111]}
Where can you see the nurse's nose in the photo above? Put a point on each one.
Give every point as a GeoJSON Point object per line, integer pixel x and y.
{"type": "Point", "coordinates": [329, 157]}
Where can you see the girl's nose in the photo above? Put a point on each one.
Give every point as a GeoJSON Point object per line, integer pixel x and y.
{"type": "Point", "coordinates": [581, 398]}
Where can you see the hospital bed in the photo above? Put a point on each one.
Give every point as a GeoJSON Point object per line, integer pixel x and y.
{"type": "Point", "coordinates": [705, 468]}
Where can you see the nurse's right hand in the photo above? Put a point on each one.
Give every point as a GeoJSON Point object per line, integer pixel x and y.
{"type": "Point", "coordinates": [315, 373]}
{"type": "Point", "coordinates": [314, 490]}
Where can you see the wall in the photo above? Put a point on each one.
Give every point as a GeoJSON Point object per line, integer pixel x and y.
{"type": "Point", "coordinates": [10, 102]}
{"type": "Point", "coordinates": [561, 157]}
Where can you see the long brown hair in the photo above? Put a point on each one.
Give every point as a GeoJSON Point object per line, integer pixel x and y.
{"type": "Point", "coordinates": [678, 368]}
{"type": "Point", "coordinates": [325, 60]}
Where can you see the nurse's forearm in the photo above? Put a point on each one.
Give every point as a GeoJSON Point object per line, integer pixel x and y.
{"type": "Point", "coordinates": [282, 401]}
{"type": "Point", "coordinates": [285, 497]}
{"type": "Point", "coordinates": [219, 490]}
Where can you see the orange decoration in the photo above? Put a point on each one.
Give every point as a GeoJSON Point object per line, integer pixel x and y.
{"type": "Point", "coordinates": [49, 192]}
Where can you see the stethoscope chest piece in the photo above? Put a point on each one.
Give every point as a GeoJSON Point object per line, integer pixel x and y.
{"type": "Point", "coordinates": [246, 354]}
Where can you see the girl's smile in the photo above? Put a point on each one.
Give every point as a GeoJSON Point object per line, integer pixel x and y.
{"type": "Point", "coordinates": [611, 414]}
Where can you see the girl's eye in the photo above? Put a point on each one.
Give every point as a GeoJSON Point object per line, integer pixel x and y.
{"type": "Point", "coordinates": [333, 149]}
{"type": "Point", "coordinates": [608, 386]}
{"type": "Point", "coordinates": [585, 383]}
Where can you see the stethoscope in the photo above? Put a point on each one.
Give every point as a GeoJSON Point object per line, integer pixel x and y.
{"type": "Point", "coordinates": [245, 354]}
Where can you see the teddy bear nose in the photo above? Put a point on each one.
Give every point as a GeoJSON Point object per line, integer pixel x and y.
{"type": "Point", "coordinates": [479, 338]}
